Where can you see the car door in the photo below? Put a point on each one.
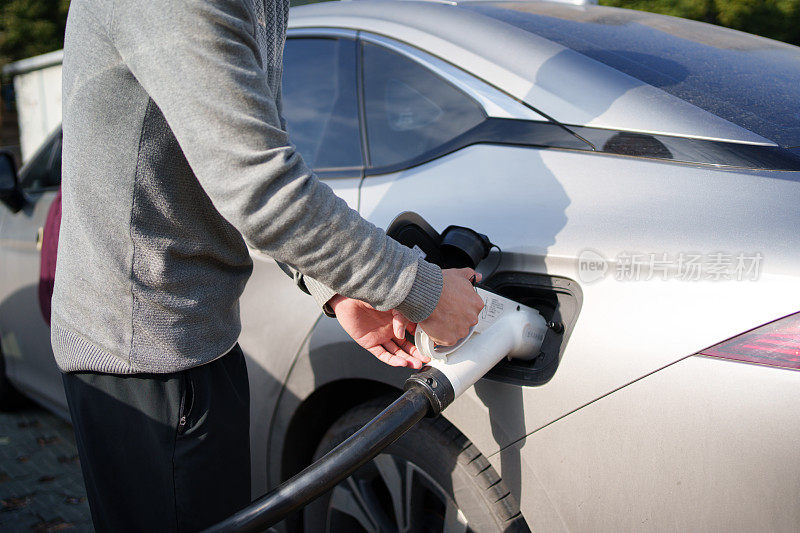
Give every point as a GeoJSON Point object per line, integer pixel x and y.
{"type": "Point", "coordinates": [418, 119]}
{"type": "Point", "coordinates": [320, 105]}
{"type": "Point", "coordinates": [23, 330]}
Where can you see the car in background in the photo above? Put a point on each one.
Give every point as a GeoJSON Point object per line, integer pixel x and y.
{"type": "Point", "coordinates": [640, 175]}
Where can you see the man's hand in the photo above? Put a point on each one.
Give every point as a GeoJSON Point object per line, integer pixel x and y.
{"type": "Point", "coordinates": [382, 333]}
{"type": "Point", "coordinates": [458, 307]}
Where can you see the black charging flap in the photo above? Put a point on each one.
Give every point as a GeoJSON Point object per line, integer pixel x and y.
{"type": "Point", "coordinates": [412, 230]}
{"type": "Point", "coordinates": [456, 247]}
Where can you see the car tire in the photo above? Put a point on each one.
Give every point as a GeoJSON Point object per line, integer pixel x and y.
{"type": "Point", "coordinates": [433, 478]}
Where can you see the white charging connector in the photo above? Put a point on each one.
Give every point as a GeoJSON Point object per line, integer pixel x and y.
{"type": "Point", "coordinates": [505, 328]}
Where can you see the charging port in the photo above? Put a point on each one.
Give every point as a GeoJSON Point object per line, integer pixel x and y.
{"type": "Point", "coordinates": [559, 301]}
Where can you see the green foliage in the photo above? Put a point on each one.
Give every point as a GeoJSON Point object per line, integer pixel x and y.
{"type": "Point", "coordinates": [777, 19]}
{"type": "Point", "coordinates": [31, 27]}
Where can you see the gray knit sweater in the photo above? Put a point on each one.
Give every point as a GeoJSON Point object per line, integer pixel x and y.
{"type": "Point", "coordinates": [174, 156]}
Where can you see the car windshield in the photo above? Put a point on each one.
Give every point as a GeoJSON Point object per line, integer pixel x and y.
{"type": "Point", "coordinates": [748, 80]}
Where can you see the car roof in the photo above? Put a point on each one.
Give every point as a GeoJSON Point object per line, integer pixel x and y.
{"type": "Point", "coordinates": [557, 78]}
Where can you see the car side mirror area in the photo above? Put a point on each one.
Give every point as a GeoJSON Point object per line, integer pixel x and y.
{"type": "Point", "coordinates": [10, 191]}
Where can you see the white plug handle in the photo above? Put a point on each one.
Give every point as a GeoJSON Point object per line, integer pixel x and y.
{"type": "Point", "coordinates": [513, 330]}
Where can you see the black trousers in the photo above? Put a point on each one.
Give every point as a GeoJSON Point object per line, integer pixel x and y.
{"type": "Point", "coordinates": [163, 452]}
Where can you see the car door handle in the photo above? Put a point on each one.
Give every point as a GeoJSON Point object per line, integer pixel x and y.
{"type": "Point", "coordinates": [39, 238]}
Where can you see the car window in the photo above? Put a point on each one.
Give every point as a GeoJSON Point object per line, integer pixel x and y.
{"type": "Point", "coordinates": [43, 171]}
{"type": "Point", "coordinates": [320, 103]}
{"type": "Point", "coordinates": [409, 109]}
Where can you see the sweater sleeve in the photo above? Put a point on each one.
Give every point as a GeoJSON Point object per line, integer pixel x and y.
{"type": "Point", "coordinates": [427, 279]}
{"type": "Point", "coordinates": [198, 61]}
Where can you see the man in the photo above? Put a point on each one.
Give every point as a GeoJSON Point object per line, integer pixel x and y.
{"type": "Point", "coordinates": [174, 156]}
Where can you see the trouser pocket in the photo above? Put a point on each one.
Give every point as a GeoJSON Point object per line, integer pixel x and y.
{"type": "Point", "coordinates": [187, 401]}
{"type": "Point", "coordinates": [212, 451]}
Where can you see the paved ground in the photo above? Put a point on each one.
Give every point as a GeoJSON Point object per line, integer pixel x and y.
{"type": "Point", "coordinates": [41, 488]}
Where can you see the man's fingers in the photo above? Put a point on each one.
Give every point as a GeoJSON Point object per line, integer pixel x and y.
{"type": "Point", "coordinates": [409, 348]}
{"type": "Point", "coordinates": [439, 342]}
{"type": "Point", "coordinates": [393, 355]}
{"type": "Point", "coordinates": [399, 323]}
{"type": "Point", "coordinates": [398, 352]}
{"type": "Point", "coordinates": [386, 357]}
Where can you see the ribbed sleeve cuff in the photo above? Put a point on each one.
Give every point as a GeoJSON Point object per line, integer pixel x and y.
{"type": "Point", "coordinates": [321, 293]}
{"type": "Point", "coordinates": [424, 294]}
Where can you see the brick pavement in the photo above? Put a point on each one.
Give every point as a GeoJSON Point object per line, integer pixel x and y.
{"type": "Point", "coordinates": [41, 488]}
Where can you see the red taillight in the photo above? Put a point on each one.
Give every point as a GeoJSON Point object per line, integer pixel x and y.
{"type": "Point", "coordinates": [774, 344]}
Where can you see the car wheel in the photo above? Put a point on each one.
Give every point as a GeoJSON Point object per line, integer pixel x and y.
{"type": "Point", "coordinates": [431, 480]}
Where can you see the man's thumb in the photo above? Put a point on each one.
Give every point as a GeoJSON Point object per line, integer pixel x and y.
{"type": "Point", "coordinates": [399, 323]}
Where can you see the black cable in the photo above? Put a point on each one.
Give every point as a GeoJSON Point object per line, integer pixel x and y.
{"type": "Point", "coordinates": [361, 447]}
{"type": "Point", "coordinates": [499, 260]}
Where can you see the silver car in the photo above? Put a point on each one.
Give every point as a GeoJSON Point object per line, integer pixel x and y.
{"type": "Point", "coordinates": [640, 176]}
